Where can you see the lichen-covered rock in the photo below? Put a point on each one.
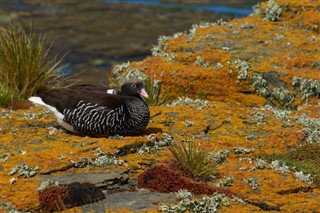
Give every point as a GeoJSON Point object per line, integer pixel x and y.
{"type": "Point", "coordinates": [276, 58]}
{"type": "Point", "coordinates": [239, 89]}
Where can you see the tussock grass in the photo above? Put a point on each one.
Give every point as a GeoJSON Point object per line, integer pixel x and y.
{"type": "Point", "coordinates": [28, 64]}
{"type": "Point", "coordinates": [153, 88]}
{"type": "Point", "coordinates": [193, 161]}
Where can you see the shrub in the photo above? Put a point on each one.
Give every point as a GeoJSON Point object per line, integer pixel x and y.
{"type": "Point", "coordinates": [28, 64]}
{"type": "Point", "coordinates": [193, 161]}
{"type": "Point", "coordinates": [167, 178]}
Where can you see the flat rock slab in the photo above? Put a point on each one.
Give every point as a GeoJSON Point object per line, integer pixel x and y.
{"type": "Point", "coordinates": [134, 201]}
{"type": "Point", "coordinates": [110, 179]}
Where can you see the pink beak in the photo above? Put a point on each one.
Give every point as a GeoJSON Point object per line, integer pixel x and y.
{"type": "Point", "coordinates": [144, 93]}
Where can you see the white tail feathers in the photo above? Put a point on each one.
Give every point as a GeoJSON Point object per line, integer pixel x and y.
{"type": "Point", "coordinates": [59, 115]}
{"type": "Point", "coordinates": [37, 100]}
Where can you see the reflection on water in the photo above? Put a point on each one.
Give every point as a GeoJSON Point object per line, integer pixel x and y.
{"type": "Point", "coordinates": [245, 10]}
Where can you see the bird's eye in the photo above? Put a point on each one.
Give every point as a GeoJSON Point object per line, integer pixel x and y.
{"type": "Point", "coordinates": [133, 85]}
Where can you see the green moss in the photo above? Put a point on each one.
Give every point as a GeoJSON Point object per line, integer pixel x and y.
{"type": "Point", "coordinates": [303, 158]}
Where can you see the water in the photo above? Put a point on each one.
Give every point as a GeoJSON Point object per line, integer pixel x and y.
{"type": "Point", "coordinates": [236, 11]}
{"type": "Point", "coordinates": [25, 6]}
{"type": "Point", "coordinates": [244, 10]}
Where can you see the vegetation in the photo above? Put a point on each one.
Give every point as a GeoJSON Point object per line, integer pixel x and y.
{"type": "Point", "coordinates": [303, 158]}
{"type": "Point", "coordinates": [153, 88]}
{"type": "Point", "coordinates": [28, 64]}
{"type": "Point", "coordinates": [193, 161]}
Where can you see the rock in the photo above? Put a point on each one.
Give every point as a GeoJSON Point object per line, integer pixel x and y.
{"type": "Point", "coordinates": [138, 201]}
{"type": "Point", "coordinates": [111, 179]}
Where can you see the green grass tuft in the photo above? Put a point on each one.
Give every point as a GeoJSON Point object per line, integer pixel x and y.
{"type": "Point", "coordinates": [193, 161]}
{"type": "Point", "coordinates": [28, 64]}
{"type": "Point", "coordinates": [153, 88]}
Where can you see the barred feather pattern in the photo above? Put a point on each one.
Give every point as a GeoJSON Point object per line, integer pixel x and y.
{"type": "Point", "coordinates": [128, 119]}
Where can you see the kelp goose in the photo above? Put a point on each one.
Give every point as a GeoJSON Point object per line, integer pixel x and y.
{"type": "Point", "coordinates": [92, 110]}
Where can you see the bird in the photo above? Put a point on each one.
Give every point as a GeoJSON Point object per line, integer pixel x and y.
{"type": "Point", "coordinates": [91, 110]}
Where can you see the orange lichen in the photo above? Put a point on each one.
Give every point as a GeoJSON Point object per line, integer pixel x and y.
{"type": "Point", "coordinates": [288, 47]}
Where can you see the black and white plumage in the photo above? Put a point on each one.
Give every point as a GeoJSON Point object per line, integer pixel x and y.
{"type": "Point", "coordinates": [92, 110]}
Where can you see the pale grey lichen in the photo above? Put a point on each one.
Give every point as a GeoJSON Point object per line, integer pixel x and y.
{"type": "Point", "coordinates": [226, 182]}
{"type": "Point", "coordinates": [274, 95]}
{"type": "Point", "coordinates": [258, 115]}
{"type": "Point", "coordinates": [253, 183]}
{"type": "Point", "coordinates": [5, 113]}
{"type": "Point", "coordinates": [10, 208]}
{"type": "Point", "coordinates": [199, 104]}
{"type": "Point", "coordinates": [33, 116]}
{"type": "Point", "coordinates": [195, 27]}
{"type": "Point", "coordinates": [47, 183]}
{"type": "Point", "coordinates": [161, 48]}
{"type": "Point", "coordinates": [183, 193]}
{"type": "Point", "coordinates": [237, 199]}
{"type": "Point", "coordinates": [208, 204]}
{"type": "Point", "coordinates": [115, 137]}
{"type": "Point", "coordinates": [220, 156]}
{"type": "Point", "coordinates": [243, 68]}
{"type": "Point", "coordinates": [306, 178]}
{"type": "Point", "coordinates": [256, 8]}
{"type": "Point", "coordinates": [5, 156]}
{"type": "Point", "coordinates": [307, 87]}
{"type": "Point", "coordinates": [168, 140]}
{"type": "Point", "coordinates": [279, 37]}
{"type": "Point", "coordinates": [281, 114]}
{"type": "Point", "coordinates": [202, 63]}
{"type": "Point", "coordinates": [24, 170]}
{"type": "Point", "coordinates": [241, 150]}
{"type": "Point", "coordinates": [260, 163]}
{"type": "Point", "coordinates": [131, 73]}
{"type": "Point", "coordinates": [104, 160]}
{"type": "Point", "coordinates": [189, 123]}
{"type": "Point", "coordinates": [101, 160]}
{"type": "Point", "coordinates": [251, 137]}
{"type": "Point", "coordinates": [273, 11]}
{"type": "Point", "coordinates": [278, 165]}
{"type": "Point", "coordinates": [310, 126]}
{"type": "Point", "coordinates": [118, 69]}
{"type": "Point", "coordinates": [246, 26]}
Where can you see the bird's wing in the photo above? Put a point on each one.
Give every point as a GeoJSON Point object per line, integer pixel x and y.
{"type": "Point", "coordinates": [68, 98]}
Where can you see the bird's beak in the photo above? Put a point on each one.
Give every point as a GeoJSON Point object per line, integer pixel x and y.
{"type": "Point", "coordinates": [144, 93]}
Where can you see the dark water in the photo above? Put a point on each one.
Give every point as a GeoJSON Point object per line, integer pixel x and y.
{"type": "Point", "coordinates": [245, 9]}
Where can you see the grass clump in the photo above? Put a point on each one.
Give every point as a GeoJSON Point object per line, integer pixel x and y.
{"type": "Point", "coordinates": [193, 161]}
{"type": "Point", "coordinates": [28, 64]}
{"type": "Point", "coordinates": [153, 88]}
{"type": "Point", "coordinates": [302, 158]}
